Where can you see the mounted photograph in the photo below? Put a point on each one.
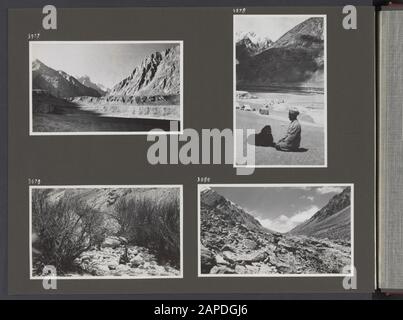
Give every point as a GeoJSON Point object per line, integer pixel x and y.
{"type": "Point", "coordinates": [106, 87]}
{"type": "Point", "coordinates": [276, 230]}
{"type": "Point", "coordinates": [106, 232]}
{"type": "Point", "coordinates": [280, 90]}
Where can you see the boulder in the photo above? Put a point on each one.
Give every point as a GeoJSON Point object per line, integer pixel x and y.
{"type": "Point", "coordinates": [112, 267]}
{"type": "Point", "coordinates": [265, 269]}
{"type": "Point", "coordinates": [221, 270]}
{"type": "Point", "coordinates": [250, 244]}
{"type": "Point", "coordinates": [207, 259]}
{"type": "Point", "coordinates": [220, 260]}
{"type": "Point", "coordinates": [252, 257]}
{"type": "Point", "coordinates": [136, 261]}
{"type": "Point", "coordinates": [123, 240]}
{"type": "Point", "coordinates": [240, 269]}
{"type": "Point", "coordinates": [228, 247]}
{"type": "Point", "coordinates": [100, 270]}
{"type": "Point", "coordinates": [229, 256]}
{"type": "Point", "coordinates": [251, 269]}
{"type": "Point", "coordinates": [111, 242]}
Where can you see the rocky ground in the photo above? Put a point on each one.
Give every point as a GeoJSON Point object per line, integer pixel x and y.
{"type": "Point", "coordinates": [234, 246]}
{"type": "Point", "coordinates": [112, 259]}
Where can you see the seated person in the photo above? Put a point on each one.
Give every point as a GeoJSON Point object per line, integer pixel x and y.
{"type": "Point", "coordinates": [292, 139]}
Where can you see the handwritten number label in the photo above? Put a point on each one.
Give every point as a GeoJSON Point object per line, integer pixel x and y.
{"type": "Point", "coordinates": [203, 179]}
{"type": "Point", "coordinates": [34, 181]}
{"type": "Point", "coordinates": [239, 10]}
{"type": "Point", "coordinates": [34, 36]}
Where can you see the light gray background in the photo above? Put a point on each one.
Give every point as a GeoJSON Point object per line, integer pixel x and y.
{"type": "Point", "coordinates": [207, 35]}
{"type": "Point", "coordinates": [390, 257]}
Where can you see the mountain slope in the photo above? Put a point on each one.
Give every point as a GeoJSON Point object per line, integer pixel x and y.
{"type": "Point", "coordinates": [86, 81]}
{"type": "Point", "coordinates": [158, 74]}
{"type": "Point", "coordinates": [309, 33]}
{"type": "Point", "coordinates": [58, 83]}
{"type": "Point", "coordinates": [332, 221]}
{"type": "Point", "coordinates": [249, 45]}
{"type": "Point", "coordinates": [294, 60]}
{"type": "Point", "coordinates": [234, 242]}
{"type": "Point", "coordinates": [228, 211]}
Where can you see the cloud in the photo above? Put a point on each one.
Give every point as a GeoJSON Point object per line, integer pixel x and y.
{"type": "Point", "coordinates": [310, 198]}
{"type": "Point", "coordinates": [284, 224]}
{"type": "Point", "coordinates": [329, 189]}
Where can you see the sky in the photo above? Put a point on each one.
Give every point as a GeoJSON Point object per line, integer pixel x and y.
{"type": "Point", "coordinates": [104, 63]}
{"type": "Point", "coordinates": [280, 208]}
{"type": "Point", "coordinates": [266, 26]}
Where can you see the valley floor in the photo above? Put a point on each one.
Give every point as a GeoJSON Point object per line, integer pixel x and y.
{"type": "Point", "coordinates": [106, 262]}
{"type": "Point", "coordinates": [238, 250]}
{"type": "Point", "coordinates": [57, 115]}
{"type": "Point", "coordinates": [89, 122]}
{"type": "Point", "coordinates": [75, 120]}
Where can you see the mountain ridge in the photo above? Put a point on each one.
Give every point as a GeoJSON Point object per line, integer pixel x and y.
{"type": "Point", "coordinates": [58, 83]}
{"type": "Point", "coordinates": [296, 59]}
{"type": "Point", "coordinates": [157, 74]}
{"type": "Point", "coordinates": [249, 45]}
{"type": "Point", "coordinates": [236, 214]}
{"type": "Point", "coordinates": [332, 221]}
{"type": "Point", "coordinates": [86, 80]}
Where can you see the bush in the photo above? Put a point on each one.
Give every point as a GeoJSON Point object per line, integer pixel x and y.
{"type": "Point", "coordinates": [63, 230]}
{"type": "Point", "coordinates": [152, 224]}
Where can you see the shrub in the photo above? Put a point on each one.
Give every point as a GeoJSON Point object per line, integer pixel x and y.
{"type": "Point", "coordinates": [64, 229]}
{"type": "Point", "coordinates": [153, 224]}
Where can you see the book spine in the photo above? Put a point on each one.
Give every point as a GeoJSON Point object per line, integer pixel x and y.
{"type": "Point", "coordinates": [390, 156]}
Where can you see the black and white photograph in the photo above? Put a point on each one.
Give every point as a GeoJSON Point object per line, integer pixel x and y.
{"type": "Point", "coordinates": [106, 87]}
{"type": "Point", "coordinates": [267, 230]}
{"type": "Point", "coordinates": [106, 232]}
{"type": "Point", "coordinates": [280, 89]}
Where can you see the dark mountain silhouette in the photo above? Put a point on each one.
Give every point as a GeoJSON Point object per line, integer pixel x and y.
{"type": "Point", "coordinates": [86, 80]}
{"type": "Point", "coordinates": [294, 60]}
{"type": "Point", "coordinates": [249, 45]}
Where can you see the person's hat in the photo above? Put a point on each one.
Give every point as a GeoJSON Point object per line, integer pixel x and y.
{"type": "Point", "coordinates": [293, 111]}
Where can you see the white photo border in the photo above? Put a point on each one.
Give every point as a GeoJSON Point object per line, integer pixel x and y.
{"type": "Point", "coordinates": [32, 187]}
{"type": "Point", "coordinates": [106, 133]}
{"type": "Point", "coordinates": [325, 164]}
{"type": "Point", "coordinates": [275, 275]}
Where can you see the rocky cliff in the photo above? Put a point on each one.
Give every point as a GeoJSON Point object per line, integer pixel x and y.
{"type": "Point", "coordinates": [333, 221]}
{"type": "Point", "coordinates": [157, 75]}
